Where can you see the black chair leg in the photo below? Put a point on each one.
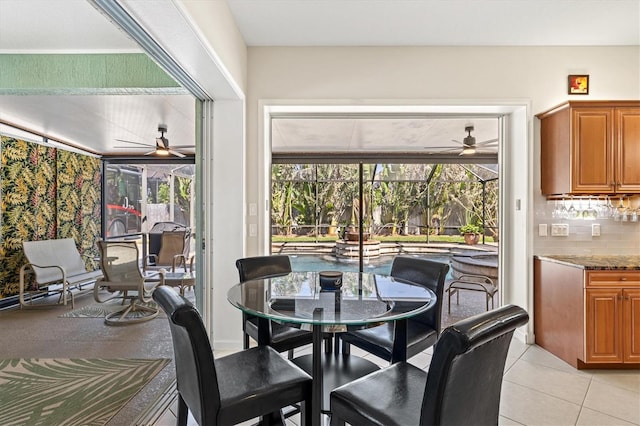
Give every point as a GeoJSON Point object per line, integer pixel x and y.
{"type": "Point", "coordinates": [245, 342]}
{"type": "Point", "coordinates": [306, 419]}
{"type": "Point", "coordinates": [335, 421]}
{"type": "Point", "coordinates": [290, 354]}
{"type": "Point", "coordinates": [346, 348]}
{"type": "Point", "coordinates": [272, 419]}
{"type": "Point", "coordinates": [328, 346]}
{"type": "Point", "coordinates": [183, 412]}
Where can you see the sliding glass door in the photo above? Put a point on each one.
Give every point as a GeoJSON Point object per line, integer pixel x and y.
{"type": "Point", "coordinates": [359, 215]}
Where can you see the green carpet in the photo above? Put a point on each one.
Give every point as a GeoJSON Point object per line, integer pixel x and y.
{"type": "Point", "coordinates": [70, 391]}
{"type": "Point", "coordinates": [100, 310]}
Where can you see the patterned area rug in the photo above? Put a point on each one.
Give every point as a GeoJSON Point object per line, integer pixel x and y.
{"type": "Point", "coordinates": [100, 310]}
{"type": "Point", "coordinates": [70, 391]}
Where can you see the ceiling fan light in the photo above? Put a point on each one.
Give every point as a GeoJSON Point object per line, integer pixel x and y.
{"type": "Point", "coordinates": [468, 150]}
{"type": "Point", "coordinates": [162, 151]}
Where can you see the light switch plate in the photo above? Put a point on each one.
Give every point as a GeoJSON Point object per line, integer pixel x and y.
{"type": "Point", "coordinates": [542, 230]}
{"type": "Point", "coordinates": [595, 229]}
{"type": "Point", "coordinates": [559, 229]}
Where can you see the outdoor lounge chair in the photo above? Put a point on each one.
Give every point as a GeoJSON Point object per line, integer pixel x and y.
{"type": "Point", "coordinates": [123, 278]}
{"type": "Point", "coordinates": [174, 252]}
{"type": "Point", "coordinates": [470, 282]}
{"type": "Point", "coordinates": [53, 262]}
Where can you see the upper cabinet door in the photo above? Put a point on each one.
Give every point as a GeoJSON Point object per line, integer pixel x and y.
{"type": "Point", "coordinates": [592, 150]}
{"type": "Point", "coordinates": [590, 147]}
{"type": "Point", "coordinates": [628, 150]}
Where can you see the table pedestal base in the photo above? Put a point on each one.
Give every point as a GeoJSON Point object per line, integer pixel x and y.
{"type": "Point", "coordinates": [337, 370]}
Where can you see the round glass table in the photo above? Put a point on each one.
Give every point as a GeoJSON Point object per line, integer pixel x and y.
{"type": "Point", "coordinates": [362, 300]}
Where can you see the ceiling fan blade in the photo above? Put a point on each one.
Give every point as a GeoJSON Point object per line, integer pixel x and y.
{"type": "Point", "coordinates": [487, 142]}
{"type": "Point", "coordinates": [176, 153]}
{"type": "Point", "coordinates": [135, 143]}
{"type": "Point", "coordinates": [453, 140]}
{"type": "Point", "coordinates": [183, 146]}
{"type": "Point", "coordinates": [150, 152]}
{"type": "Point", "coordinates": [443, 148]}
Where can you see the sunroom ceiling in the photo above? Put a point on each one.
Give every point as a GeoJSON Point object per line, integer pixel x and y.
{"type": "Point", "coordinates": [423, 135]}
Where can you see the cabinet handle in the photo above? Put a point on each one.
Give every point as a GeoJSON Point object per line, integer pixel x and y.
{"type": "Point", "coordinates": [626, 298]}
{"type": "Point", "coordinates": [623, 278]}
{"type": "Point", "coordinates": [619, 297]}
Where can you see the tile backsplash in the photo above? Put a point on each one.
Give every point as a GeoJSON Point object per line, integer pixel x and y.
{"type": "Point", "coordinates": [616, 237]}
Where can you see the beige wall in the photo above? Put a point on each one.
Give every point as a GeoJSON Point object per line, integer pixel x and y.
{"type": "Point", "coordinates": [215, 22]}
{"type": "Point", "coordinates": [473, 74]}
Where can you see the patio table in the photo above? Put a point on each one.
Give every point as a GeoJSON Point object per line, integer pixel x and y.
{"type": "Point", "coordinates": [180, 279]}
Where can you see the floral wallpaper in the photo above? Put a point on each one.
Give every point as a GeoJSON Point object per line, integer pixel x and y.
{"type": "Point", "coordinates": [78, 201]}
{"type": "Point", "coordinates": [46, 193]}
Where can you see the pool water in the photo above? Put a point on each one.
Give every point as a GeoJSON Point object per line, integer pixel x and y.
{"type": "Point", "coordinates": [381, 265]}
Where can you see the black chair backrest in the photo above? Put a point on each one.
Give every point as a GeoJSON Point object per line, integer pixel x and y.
{"type": "Point", "coordinates": [196, 377]}
{"type": "Point", "coordinates": [251, 268]}
{"type": "Point", "coordinates": [465, 376]}
{"type": "Point", "coordinates": [427, 273]}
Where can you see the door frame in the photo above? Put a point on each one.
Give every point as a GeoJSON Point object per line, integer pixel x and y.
{"type": "Point", "coordinates": [516, 193]}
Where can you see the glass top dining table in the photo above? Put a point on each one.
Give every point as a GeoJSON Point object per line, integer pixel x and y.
{"type": "Point", "coordinates": [363, 300]}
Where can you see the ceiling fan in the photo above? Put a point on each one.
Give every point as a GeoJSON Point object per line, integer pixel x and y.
{"type": "Point", "coordinates": [469, 144]}
{"type": "Point", "coordinates": [161, 147]}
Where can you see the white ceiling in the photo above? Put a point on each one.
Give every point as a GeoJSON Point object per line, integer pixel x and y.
{"type": "Point", "coordinates": [95, 122]}
{"type": "Point", "coordinates": [437, 22]}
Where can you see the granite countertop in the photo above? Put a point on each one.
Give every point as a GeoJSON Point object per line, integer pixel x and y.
{"type": "Point", "coordinates": [596, 262]}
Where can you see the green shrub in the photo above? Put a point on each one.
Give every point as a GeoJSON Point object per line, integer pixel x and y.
{"type": "Point", "coordinates": [470, 228]}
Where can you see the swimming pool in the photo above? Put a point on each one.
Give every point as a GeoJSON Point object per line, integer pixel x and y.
{"type": "Point", "coordinates": [380, 265]}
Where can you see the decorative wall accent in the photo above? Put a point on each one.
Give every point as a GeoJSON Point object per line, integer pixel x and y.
{"type": "Point", "coordinates": [78, 201]}
{"type": "Point", "coordinates": [46, 193]}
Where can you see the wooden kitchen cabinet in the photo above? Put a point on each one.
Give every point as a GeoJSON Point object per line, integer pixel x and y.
{"type": "Point", "coordinates": [627, 125]}
{"type": "Point", "coordinates": [612, 320]}
{"type": "Point", "coordinates": [590, 147]}
{"type": "Point", "coordinates": [588, 318]}
{"type": "Point", "coordinates": [631, 325]}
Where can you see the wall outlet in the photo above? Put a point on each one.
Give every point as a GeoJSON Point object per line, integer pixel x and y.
{"type": "Point", "coordinates": [595, 229]}
{"type": "Point", "coordinates": [542, 230]}
{"type": "Point", "coordinates": [560, 230]}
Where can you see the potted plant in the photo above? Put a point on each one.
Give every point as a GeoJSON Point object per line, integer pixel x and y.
{"type": "Point", "coordinates": [353, 234]}
{"type": "Point", "coordinates": [471, 233]}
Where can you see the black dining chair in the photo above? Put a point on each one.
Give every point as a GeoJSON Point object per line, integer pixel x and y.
{"type": "Point", "coordinates": [283, 337]}
{"type": "Point", "coordinates": [423, 329]}
{"type": "Point", "coordinates": [255, 382]}
{"type": "Point", "coordinates": [462, 386]}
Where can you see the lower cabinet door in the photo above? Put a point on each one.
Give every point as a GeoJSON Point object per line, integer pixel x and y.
{"type": "Point", "coordinates": [631, 325]}
{"type": "Point", "coordinates": [603, 332]}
